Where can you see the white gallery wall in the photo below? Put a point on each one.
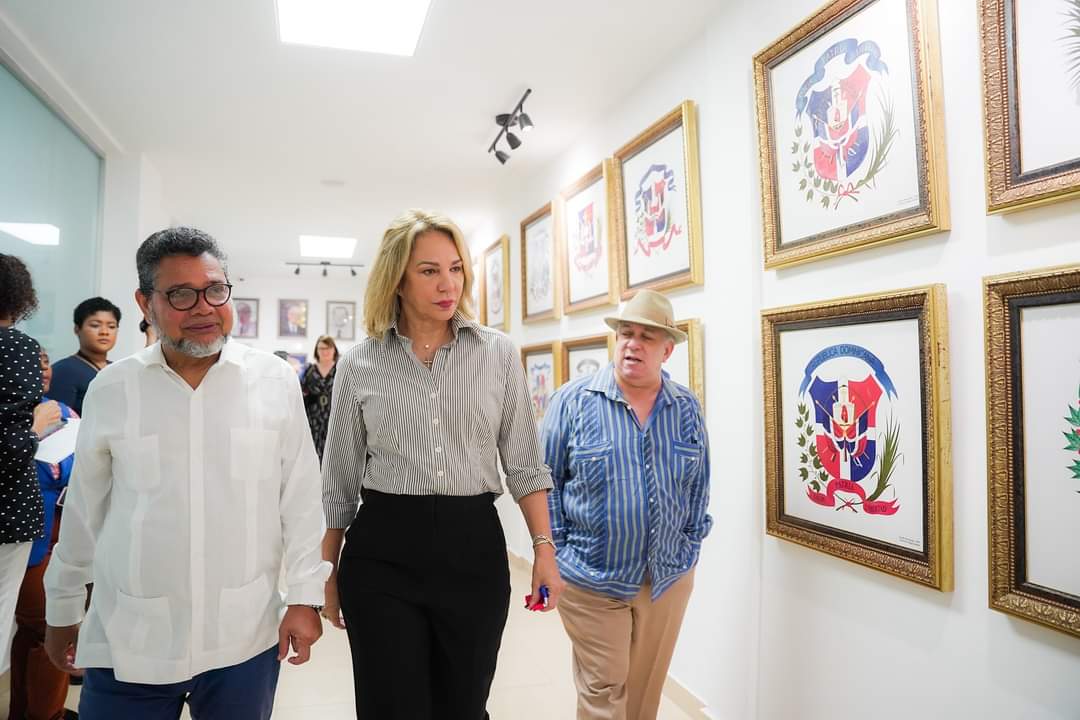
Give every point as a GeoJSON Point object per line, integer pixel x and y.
{"type": "Point", "coordinates": [776, 631]}
{"type": "Point", "coordinates": [308, 285]}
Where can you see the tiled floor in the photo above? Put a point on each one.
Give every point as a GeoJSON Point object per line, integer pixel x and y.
{"type": "Point", "coordinates": [533, 679]}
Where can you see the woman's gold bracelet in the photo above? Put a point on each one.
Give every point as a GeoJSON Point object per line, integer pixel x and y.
{"type": "Point", "coordinates": [544, 540]}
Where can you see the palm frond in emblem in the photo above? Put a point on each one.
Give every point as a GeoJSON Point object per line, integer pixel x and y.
{"type": "Point", "coordinates": [1072, 43]}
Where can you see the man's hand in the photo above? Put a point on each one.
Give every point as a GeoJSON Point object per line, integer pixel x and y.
{"type": "Point", "coordinates": [301, 627]}
{"type": "Point", "coordinates": [60, 643]}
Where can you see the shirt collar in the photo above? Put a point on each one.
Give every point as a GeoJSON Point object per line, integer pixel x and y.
{"type": "Point", "coordinates": [604, 382]}
{"type": "Point", "coordinates": [232, 352]}
{"type": "Point", "coordinates": [458, 322]}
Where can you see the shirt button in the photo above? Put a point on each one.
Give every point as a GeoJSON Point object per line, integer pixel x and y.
{"type": "Point", "coordinates": [440, 473]}
{"type": "Point", "coordinates": [652, 499]}
{"type": "Point", "coordinates": [438, 449]}
{"type": "Point", "coordinates": [435, 421]}
{"type": "Point", "coordinates": [433, 395]}
{"type": "Point", "coordinates": [647, 465]}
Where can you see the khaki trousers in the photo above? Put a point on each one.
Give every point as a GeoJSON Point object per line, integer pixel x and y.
{"type": "Point", "coordinates": [622, 649]}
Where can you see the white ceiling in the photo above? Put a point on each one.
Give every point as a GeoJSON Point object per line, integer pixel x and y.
{"type": "Point", "coordinates": [244, 129]}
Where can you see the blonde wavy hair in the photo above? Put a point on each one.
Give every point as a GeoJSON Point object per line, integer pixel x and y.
{"type": "Point", "coordinates": [384, 280]}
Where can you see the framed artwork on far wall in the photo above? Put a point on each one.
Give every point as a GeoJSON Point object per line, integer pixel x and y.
{"type": "Point", "coordinates": [540, 297]}
{"type": "Point", "coordinates": [543, 374]}
{"type": "Point", "coordinates": [292, 318]}
{"type": "Point", "coordinates": [341, 319]}
{"type": "Point", "coordinates": [1033, 444]}
{"type": "Point", "coordinates": [1031, 94]}
{"type": "Point", "coordinates": [686, 365]}
{"type": "Point", "coordinates": [851, 136]}
{"type": "Point", "coordinates": [497, 284]}
{"type": "Point", "coordinates": [477, 296]}
{"type": "Point", "coordinates": [658, 206]}
{"type": "Point", "coordinates": [857, 431]}
{"type": "Point", "coordinates": [587, 263]}
{"type": "Point", "coordinates": [585, 356]}
{"type": "Point", "coordinates": [247, 318]}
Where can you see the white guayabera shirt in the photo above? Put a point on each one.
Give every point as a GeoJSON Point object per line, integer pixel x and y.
{"type": "Point", "coordinates": [183, 507]}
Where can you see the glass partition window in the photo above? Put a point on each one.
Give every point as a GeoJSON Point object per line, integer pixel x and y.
{"type": "Point", "coordinates": [50, 196]}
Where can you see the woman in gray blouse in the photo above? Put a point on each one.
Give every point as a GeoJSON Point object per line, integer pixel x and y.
{"type": "Point", "coordinates": [421, 411]}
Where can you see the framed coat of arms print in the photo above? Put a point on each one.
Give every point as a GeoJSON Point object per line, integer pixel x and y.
{"type": "Point", "coordinates": [1033, 444]}
{"type": "Point", "coordinates": [497, 284]}
{"type": "Point", "coordinates": [686, 365]}
{"type": "Point", "coordinates": [851, 130]}
{"type": "Point", "coordinates": [543, 374]}
{"type": "Point", "coordinates": [540, 297]}
{"type": "Point", "coordinates": [658, 205]}
{"type": "Point", "coordinates": [857, 431]}
{"type": "Point", "coordinates": [585, 356]}
{"type": "Point", "coordinates": [1031, 90]}
{"type": "Point", "coordinates": [585, 212]}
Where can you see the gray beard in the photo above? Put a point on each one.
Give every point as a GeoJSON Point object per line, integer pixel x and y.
{"type": "Point", "coordinates": [188, 347]}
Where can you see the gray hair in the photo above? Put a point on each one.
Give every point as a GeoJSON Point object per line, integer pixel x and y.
{"type": "Point", "coordinates": [173, 241]}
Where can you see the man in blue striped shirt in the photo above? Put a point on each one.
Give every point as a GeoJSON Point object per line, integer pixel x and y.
{"type": "Point", "coordinates": [629, 457]}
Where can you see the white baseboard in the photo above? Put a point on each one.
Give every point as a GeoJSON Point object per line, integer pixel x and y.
{"type": "Point", "coordinates": [673, 689]}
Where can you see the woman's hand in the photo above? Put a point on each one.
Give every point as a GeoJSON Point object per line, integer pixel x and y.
{"type": "Point", "coordinates": [546, 572]}
{"type": "Point", "coordinates": [46, 415]}
{"type": "Point", "coordinates": [332, 604]}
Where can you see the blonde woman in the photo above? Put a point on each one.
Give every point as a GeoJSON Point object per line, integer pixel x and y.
{"type": "Point", "coordinates": [421, 410]}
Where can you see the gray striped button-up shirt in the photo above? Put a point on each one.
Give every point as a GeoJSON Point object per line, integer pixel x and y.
{"type": "Point", "coordinates": [397, 427]}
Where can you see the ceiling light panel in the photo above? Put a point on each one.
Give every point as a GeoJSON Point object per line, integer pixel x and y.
{"type": "Point", "coordinates": [377, 26]}
{"type": "Point", "coordinates": [33, 233]}
{"type": "Point", "coordinates": [321, 246]}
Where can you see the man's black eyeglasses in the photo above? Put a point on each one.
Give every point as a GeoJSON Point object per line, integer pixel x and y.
{"type": "Point", "coordinates": [215, 295]}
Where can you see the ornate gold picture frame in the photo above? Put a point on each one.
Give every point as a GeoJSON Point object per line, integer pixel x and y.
{"type": "Point", "coordinates": [541, 298]}
{"type": "Point", "coordinates": [1027, 163]}
{"type": "Point", "coordinates": [543, 364]}
{"type": "Point", "coordinates": [584, 216]}
{"type": "Point", "coordinates": [586, 355]}
{"type": "Point", "coordinates": [497, 284]}
{"type": "Point", "coordinates": [1033, 444]}
{"type": "Point", "coordinates": [851, 130]}
{"type": "Point", "coordinates": [658, 205]}
{"type": "Point", "coordinates": [857, 439]}
{"type": "Point", "coordinates": [686, 365]}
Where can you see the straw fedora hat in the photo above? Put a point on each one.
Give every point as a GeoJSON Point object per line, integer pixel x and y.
{"type": "Point", "coordinates": [649, 308]}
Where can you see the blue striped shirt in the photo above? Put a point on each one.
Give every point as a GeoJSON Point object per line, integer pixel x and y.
{"type": "Point", "coordinates": [628, 500]}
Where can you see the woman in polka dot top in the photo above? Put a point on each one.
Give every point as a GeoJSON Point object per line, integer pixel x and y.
{"type": "Point", "coordinates": [22, 518]}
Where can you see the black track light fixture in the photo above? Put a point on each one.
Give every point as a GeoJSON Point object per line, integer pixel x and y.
{"type": "Point", "coordinates": [326, 265]}
{"type": "Point", "coordinates": [505, 120]}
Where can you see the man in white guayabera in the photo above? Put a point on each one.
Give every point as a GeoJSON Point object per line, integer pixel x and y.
{"type": "Point", "coordinates": [195, 482]}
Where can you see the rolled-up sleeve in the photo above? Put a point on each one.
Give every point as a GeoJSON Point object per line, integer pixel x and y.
{"type": "Point", "coordinates": [554, 436]}
{"type": "Point", "coordinates": [345, 454]}
{"type": "Point", "coordinates": [301, 514]}
{"type": "Point", "coordinates": [519, 446]}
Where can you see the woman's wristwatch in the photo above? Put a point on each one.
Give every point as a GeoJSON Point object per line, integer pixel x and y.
{"type": "Point", "coordinates": [544, 540]}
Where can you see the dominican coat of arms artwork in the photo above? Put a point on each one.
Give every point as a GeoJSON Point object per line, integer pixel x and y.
{"type": "Point", "coordinates": [850, 130]}
{"type": "Point", "coordinates": [857, 431]}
